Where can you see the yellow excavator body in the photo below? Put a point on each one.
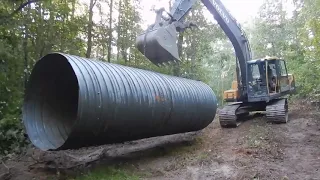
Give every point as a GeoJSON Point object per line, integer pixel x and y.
{"type": "Point", "coordinates": [232, 94]}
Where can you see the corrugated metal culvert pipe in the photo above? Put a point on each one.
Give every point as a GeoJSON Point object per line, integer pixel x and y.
{"type": "Point", "coordinates": [73, 102]}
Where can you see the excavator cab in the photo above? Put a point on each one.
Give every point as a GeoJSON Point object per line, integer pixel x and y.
{"type": "Point", "coordinates": [267, 79]}
{"type": "Point", "coordinates": [279, 80]}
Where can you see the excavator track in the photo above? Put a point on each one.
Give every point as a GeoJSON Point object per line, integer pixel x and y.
{"type": "Point", "coordinates": [277, 111]}
{"type": "Point", "coordinates": [228, 116]}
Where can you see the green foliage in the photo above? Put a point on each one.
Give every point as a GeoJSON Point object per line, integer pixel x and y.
{"type": "Point", "coordinates": [270, 31]}
{"type": "Point", "coordinates": [32, 32]}
{"type": "Point", "coordinates": [11, 84]}
{"type": "Point", "coordinates": [11, 135]}
{"type": "Point", "coordinates": [309, 35]}
{"type": "Point", "coordinates": [10, 80]}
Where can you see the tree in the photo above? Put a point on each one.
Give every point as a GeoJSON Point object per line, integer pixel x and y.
{"type": "Point", "coordinates": [270, 33]}
{"type": "Point", "coordinates": [110, 30]}
{"type": "Point", "coordinates": [31, 32]}
{"type": "Point", "coordinates": [128, 28]}
{"type": "Point", "coordinates": [90, 27]}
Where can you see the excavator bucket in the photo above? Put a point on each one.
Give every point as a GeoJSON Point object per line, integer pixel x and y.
{"type": "Point", "coordinates": [159, 45]}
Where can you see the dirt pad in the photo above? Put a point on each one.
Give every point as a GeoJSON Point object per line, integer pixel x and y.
{"type": "Point", "coordinates": [254, 150]}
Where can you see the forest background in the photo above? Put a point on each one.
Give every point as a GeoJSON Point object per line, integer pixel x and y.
{"type": "Point", "coordinates": [31, 29]}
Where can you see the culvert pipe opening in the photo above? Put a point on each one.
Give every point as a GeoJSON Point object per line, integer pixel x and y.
{"type": "Point", "coordinates": [51, 102]}
{"type": "Point", "coordinates": [73, 102]}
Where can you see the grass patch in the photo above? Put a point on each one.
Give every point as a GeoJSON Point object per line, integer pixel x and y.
{"type": "Point", "coordinates": [107, 173]}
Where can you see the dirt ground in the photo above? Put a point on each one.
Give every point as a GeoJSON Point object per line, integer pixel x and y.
{"type": "Point", "coordinates": [254, 150]}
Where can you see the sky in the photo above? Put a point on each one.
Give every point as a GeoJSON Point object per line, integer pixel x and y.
{"type": "Point", "coordinates": [242, 10]}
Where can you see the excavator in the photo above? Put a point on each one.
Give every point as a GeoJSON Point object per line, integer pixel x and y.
{"type": "Point", "coordinates": [261, 85]}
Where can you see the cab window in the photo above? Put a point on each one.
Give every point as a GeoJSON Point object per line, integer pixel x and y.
{"type": "Point", "coordinates": [255, 71]}
{"type": "Point", "coordinates": [283, 68]}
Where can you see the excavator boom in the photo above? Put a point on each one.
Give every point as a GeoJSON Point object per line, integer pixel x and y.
{"type": "Point", "coordinates": [256, 89]}
{"type": "Point", "coordinates": [159, 42]}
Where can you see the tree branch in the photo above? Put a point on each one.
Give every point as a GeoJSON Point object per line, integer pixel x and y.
{"type": "Point", "coordinates": [94, 3]}
{"type": "Point", "coordinates": [22, 5]}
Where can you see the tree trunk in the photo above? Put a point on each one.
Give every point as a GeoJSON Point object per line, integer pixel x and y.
{"type": "Point", "coordinates": [39, 42]}
{"type": "Point", "coordinates": [25, 48]}
{"type": "Point", "coordinates": [125, 33]}
{"type": "Point", "coordinates": [176, 67]}
{"type": "Point", "coordinates": [73, 6]}
{"type": "Point", "coordinates": [273, 49]}
{"type": "Point", "coordinates": [110, 31]}
{"type": "Point", "coordinates": [118, 31]}
{"type": "Point", "coordinates": [90, 26]}
{"type": "Point", "coordinates": [124, 54]}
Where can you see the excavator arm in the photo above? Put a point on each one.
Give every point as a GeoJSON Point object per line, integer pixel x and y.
{"type": "Point", "coordinates": [158, 42]}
